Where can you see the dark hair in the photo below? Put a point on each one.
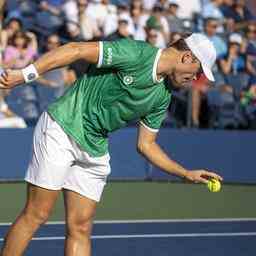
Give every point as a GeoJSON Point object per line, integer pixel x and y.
{"type": "Point", "coordinates": [13, 19]}
{"type": "Point", "coordinates": [209, 19]}
{"type": "Point", "coordinates": [22, 35]}
{"type": "Point", "coordinates": [180, 44]}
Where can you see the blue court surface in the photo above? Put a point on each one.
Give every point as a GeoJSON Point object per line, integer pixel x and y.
{"type": "Point", "coordinates": [195, 237]}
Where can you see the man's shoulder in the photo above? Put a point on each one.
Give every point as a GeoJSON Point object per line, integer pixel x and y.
{"type": "Point", "coordinates": [135, 43]}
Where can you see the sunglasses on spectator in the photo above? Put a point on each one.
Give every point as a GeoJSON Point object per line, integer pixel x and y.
{"type": "Point", "coordinates": [52, 42]}
{"type": "Point", "coordinates": [152, 35]}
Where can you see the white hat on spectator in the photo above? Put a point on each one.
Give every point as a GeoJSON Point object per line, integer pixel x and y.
{"type": "Point", "coordinates": [235, 38]}
{"type": "Point", "coordinates": [173, 2]}
{"type": "Point", "coordinates": [204, 51]}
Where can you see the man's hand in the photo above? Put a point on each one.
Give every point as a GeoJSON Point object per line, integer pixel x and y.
{"type": "Point", "coordinates": [11, 78]}
{"type": "Point", "coordinates": [201, 176]}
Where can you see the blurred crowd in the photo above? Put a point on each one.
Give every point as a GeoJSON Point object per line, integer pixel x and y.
{"type": "Point", "coordinates": [29, 28]}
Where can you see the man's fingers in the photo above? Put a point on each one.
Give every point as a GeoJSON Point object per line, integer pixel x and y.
{"type": "Point", "coordinates": [213, 175]}
{"type": "Point", "coordinates": [203, 180]}
{"type": "Point", "coordinates": [4, 75]}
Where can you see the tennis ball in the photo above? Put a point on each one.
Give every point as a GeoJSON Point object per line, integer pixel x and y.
{"type": "Point", "coordinates": [214, 185]}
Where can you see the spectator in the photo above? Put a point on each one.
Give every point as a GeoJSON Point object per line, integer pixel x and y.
{"type": "Point", "coordinates": [50, 15]}
{"type": "Point", "coordinates": [122, 30]}
{"type": "Point", "coordinates": [201, 87]}
{"type": "Point", "coordinates": [158, 13]}
{"type": "Point", "coordinates": [151, 36]}
{"type": "Point", "coordinates": [139, 18]}
{"type": "Point", "coordinates": [53, 84]}
{"type": "Point", "coordinates": [233, 62]}
{"type": "Point", "coordinates": [123, 12]}
{"type": "Point", "coordinates": [164, 4]}
{"type": "Point", "coordinates": [20, 52]}
{"type": "Point", "coordinates": [101, 11]}
{"type": "Point", "coordinates": [152, 23]}
{"type": "Point", "coordinates": [12, 26]}
{"type": "Point", "coordinates": [229, 27]}
{"type": "Point", "coordinates": [212, 10]}
{"type": "Point", "coordinates": [226, 8]}
{"type": "Point", "coordinates": [25, 11]}
{"type": "Point", "coordinates": [8, 119]}
{"type": "Point", "coordinates": [188, 9]}
{"type": "Point", "coordinates": [175, 23]}
{"type": "Point", "coordinates": [241, 14]}
{"type": "Point", "coordinates": [58, 77]}
{"type": "Point", "coordinates": [78, 20]}
{"type": "Point", "coordinates": [233, 67]}
{"type": "Point", "coordinates": [210, 29]}
{"type": "Point", "coordinates": [251, 49]}
{"type": "Point", "coordinates": [2, 7]}
{"type": "Point", "coordinates": [149, 4]}
{"type": "Point", "coordinates": [248, 104]}
{"type": "Point", "coordinates": [251, 58]}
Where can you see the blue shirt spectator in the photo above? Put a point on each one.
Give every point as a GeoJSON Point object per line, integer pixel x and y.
{"type": "Point", "coordinates": [210, 29]}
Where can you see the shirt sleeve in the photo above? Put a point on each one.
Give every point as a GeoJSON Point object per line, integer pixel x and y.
{"type": "Point", "coordinates": [153, 121]}
{"type": "Point", "coordinates": [120, 54]}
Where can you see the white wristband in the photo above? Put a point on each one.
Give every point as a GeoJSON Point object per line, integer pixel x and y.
{"type": "Point", "coordinates": [30, 73]}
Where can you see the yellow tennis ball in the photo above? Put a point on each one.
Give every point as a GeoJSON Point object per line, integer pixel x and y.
{"type": "Point", "coordinates": [214, 185]}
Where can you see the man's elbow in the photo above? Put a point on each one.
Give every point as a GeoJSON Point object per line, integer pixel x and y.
{"type": "Point", "coordinates": [143, 147]}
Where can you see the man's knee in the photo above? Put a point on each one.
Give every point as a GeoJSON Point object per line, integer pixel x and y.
{"type": "Point", "coordinates": [36, 215]}
{"type": "Point", "coordinates": [77, 227]}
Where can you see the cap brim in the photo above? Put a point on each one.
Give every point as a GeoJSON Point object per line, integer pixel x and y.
{"type": "Point", "coordinates": [208, 73]}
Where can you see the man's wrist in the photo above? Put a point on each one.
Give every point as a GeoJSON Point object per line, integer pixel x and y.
{"type": "Point", "coordinates": [184, 173]}
{"type": "Point", "coordinates": [30, 73]}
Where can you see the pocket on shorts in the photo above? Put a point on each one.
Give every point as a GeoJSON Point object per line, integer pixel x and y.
{"type": "Point", "coordinates": [98, 166]}
{"type": "Point", "coordinates": [51, 142]}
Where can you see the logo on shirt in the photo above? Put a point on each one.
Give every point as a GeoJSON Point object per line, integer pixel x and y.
{"type": "Point", "coordinates": [128, 80]}
{"type": "Point", "coordinates": [109, 56]}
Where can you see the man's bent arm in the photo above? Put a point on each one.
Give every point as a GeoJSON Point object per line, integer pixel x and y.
{"type": "Point", "coordinates": [66, 54]}
{"type": "Point", "coordinates": [62, 56]}
{"type": "Point", "coordinates": [148, 147]}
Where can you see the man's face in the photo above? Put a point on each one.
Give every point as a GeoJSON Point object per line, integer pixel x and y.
{"type": "Point", "coordinates": [188, 68]}
{"type": "Point", "coordinates": [152, 36]}
{"type": "Point", "coordinates": [211, 27]}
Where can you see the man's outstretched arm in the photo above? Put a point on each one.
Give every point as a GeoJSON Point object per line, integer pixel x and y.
{"type": "Point", "coordinates": [62, 56]}
{"type": "Point", "coordinates": [148, 147]}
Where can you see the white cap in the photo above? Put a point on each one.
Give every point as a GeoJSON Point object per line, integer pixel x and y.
{"type": "Point", "coordinates": [235, 38]}
{"type": "Point", "coordinates": [174, 2]}
{"type": "Point", "coordinates": [205, 52]}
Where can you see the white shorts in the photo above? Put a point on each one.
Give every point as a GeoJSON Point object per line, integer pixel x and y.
{"type": "Point", "coordinates": [58, 162]}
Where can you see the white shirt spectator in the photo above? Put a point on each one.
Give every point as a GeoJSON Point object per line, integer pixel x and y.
{"type": "Point", "coordinates": [187, 8]}
{"type": "Point", "coordinates": [88, 26]}
{"type": "Point", "coordinates": [99, 12]}
{"type": "Point", "coordinates": [126, 16]}
{"type": "Point", "coordinates": [149, 4]}
{"type": "Point", "coordinates": [139, 25]}
{"type": "Point", "coordinates": [71, 14]}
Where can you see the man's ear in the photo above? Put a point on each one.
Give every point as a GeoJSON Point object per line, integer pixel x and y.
{"type": "Point", "coordinates": [186, 57]}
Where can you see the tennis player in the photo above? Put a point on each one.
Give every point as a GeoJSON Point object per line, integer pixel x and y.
{"type": "Point", "coordinates": [70, 146]}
